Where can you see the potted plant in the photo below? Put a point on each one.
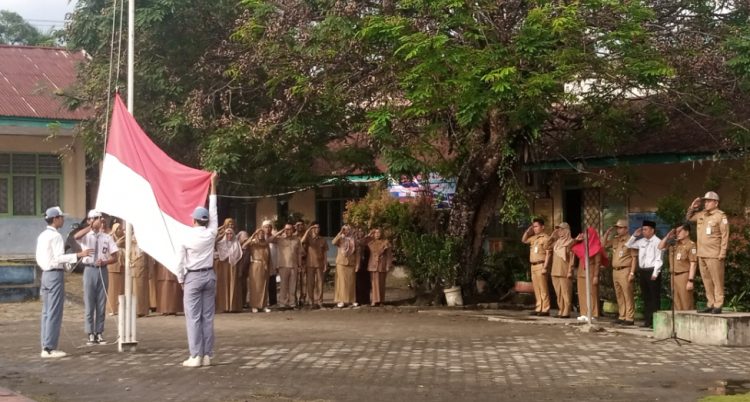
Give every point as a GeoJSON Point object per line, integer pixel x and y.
{"type": "Point", "coordinates": [433, 260]}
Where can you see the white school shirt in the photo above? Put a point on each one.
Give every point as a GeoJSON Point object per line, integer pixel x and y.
{"type": "Point", "coordinates": [649, 254]}
{"type": "Point", "coordinates": [102, 246]}
{"type": "Point", "coordinates": [197, 249]}
{"type": "Point", "coordinates": [50, 250]}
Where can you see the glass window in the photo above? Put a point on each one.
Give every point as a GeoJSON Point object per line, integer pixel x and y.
{"type": "Point", "coordinates": [24, 195]}
{"type": "Point", "coordinates": [29, 183]}
{"type": "Point", "coordinates": [50, 192]}
{"type": "Point", "coordinates": [3, 195]}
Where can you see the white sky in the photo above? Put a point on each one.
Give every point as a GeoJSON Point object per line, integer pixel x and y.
{"type": "Point", "coordinates": [43, 14]}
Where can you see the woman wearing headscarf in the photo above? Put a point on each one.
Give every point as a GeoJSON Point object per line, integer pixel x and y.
{"type": "Point", "coordinates": [560, 244]}
{"type": "Point", "coordinates": [346, 265]}
{"type": "Point", "coordinates": [597, 258]}
{"type": "Point", "coordinates": [228, 254]}
{"type": "Point", "coordinates": [260, 264]}
{"type": "Point", "coordinates": [378, 265]}
{"type": "Point", "coordinates": [116, 272]}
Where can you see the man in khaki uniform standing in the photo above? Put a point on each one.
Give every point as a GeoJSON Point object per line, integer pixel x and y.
{"type": "Point", "coordinates": [289, 260]}
{"type": "Point", "coordinates": [539, 255]}
{"type": "Point", "coordinates": [624, 264]}
{"type": "Point", "coordinates": [683, 258]}
{"type": "Point", "coordinates": [713, 238]}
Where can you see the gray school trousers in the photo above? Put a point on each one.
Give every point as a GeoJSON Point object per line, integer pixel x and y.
{"type": "Point", "coordinates": [52, 293]}
{"type": "Point", "coordinates": [95, 281]}
{"type": "Point", "coordinates": [199, 299]}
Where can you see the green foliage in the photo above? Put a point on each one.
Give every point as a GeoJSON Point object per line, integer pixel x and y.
{"type": "Point", "coordinates": [14, 30]}
{"type": "Point", "coordinates": [671, 209]}
{"type": "Point", "coordinates": [431, 258]}
{"type": "Point", "coordinates": [501, 270]}
{"type": "Point", "coordinates": [737, 266]}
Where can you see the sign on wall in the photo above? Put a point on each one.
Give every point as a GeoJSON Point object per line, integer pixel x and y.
{"type": "Point", "coordinates": [434, 187]}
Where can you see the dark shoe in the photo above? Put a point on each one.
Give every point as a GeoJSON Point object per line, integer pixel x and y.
{"type": "Point", "coordinates": [543, 314]}
{"type": "Point", "coordinates": [627, 323]}
{"type": "Point", "coordinates": [716, 310]}
{"type": "Point", "coordinates": [534, 313]}
{"type": "Point", "coordinates": [563, 316]}
{"type": "Point", "coordinates": [706, 310]}
{"type": "Point", "coordinates": [617, 322]}
{"type": "Point", "coordinates": [647, 325]}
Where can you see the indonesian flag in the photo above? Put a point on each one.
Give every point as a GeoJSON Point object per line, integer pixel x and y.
{"type": "Point", "coordinates": [149, 190]}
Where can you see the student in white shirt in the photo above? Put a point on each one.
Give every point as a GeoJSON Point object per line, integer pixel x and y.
{"type": "Point", "coordinates": [198, 278]}
{"type": "Point", "coordinates": [50, 249]}
{"type": "Point", "coordinates": [649, 268]}
{"type": "Point", "coordinates": [95, 274]}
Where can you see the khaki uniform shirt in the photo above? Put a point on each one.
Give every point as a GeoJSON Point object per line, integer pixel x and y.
{"type": "Point", "coordinates": [712, 233]}
{"type": "Point", "coordinates": [681, 254]}
{"type": "Point", "coordinates": [288, 249]}
{"type": "Point", "coordinates": [341, 257]}
{"type": "Point", "coordinates": [561, 267]}
{"type": "Point", "coordinates": [317, 252]}
{"type": "Point", "coordinates": [537, 250]}
{"type": "Point", "coordinates": [622, 256]}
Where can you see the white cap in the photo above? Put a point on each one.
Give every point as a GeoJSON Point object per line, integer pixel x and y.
{"type": "Point", "coordinates": [94, 214]}
{"type": "Point", "coordinates": [54, 212]}
{"type": "Point", "coordinates": [711, 196]}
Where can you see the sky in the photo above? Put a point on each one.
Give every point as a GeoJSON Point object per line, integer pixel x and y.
{"type": "Point", "coordinates": [43, 14]}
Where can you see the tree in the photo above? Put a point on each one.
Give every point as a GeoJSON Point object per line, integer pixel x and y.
{"type": "Point", "coordinates": [14, 30]}
{"type": "Point", "coordinates": [462, 88]}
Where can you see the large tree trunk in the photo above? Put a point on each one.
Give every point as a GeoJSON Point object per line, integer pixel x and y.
{"type": "Point", "coordinates": [478, 191]}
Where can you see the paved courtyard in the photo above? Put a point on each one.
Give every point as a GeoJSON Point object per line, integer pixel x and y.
{"type": "Point", "coordinates": [387, 354]}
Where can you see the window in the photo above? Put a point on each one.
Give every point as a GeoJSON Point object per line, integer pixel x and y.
{"type": "Point", "coordinates": [29, 183]}
{"type": "Point", "coordinates": [330, 205]}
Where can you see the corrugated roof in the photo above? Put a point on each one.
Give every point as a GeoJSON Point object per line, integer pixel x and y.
{"type": "Point", "coordinates": [30, 77]}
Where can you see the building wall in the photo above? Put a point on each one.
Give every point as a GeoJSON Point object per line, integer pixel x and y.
{"type": "Point", "coordinates": [18, 234]}
{"type": "Point", "coordinates": [304, 203]}
{"type": "Point", "coordinates": [265, 209]}
{"type": "Point", "coordinates": [651, 182]}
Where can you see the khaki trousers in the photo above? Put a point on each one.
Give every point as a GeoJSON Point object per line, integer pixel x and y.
{"type": "Point", "coordinates": [683, 298]}
{"type": "Point", "coordinates": [314, 278]}
{"type": "Point", "coordinates": [563, 289]}
{"type": "Point", "coordinates": [377, 292]}
{"type": "Point", "coordinates": [541, 292]}
{"type": "Point", "coordinates": [712, 273]}
{"type": "Point", "coordinates": [288, 286]}
{"type": "Point", "coordinates": [624, 293]}
{"type": "Point", "coordinates": [302, 285]}
{"type": "Point", "coordinates": [582, 296]}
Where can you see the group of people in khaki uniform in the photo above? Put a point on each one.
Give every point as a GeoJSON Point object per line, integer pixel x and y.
{"type": "Point", "coordinates": [630, 256]}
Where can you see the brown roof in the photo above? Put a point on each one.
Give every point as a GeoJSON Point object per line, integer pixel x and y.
{"type": "Point", "coordinates": [30, 77]}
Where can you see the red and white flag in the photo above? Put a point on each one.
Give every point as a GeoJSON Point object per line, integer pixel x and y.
{"type": "Point", "coordinates": [149, 190]}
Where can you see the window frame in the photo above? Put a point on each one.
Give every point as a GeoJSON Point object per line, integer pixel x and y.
{"type": "Point", "coordinates": [38, 208]}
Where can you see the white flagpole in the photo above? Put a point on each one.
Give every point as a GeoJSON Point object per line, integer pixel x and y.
{"type": "Point", "coordinates": [586, 267]}
{"type": "Point", "coordinates": [128, 339]}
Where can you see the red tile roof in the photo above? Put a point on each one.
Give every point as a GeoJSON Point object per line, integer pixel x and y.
{"type": "Point", "coordinates": [31, 76]}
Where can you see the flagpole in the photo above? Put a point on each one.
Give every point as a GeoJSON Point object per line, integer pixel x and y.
{"type": "Point", "coordinates": [127, 340]}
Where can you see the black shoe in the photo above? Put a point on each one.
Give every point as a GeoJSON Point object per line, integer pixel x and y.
{"type": "Point", "coordinates": [627, 323]}
{"type": "Point", "coordinates": [618, 322]}
{"type": "Point", "coordinates": [716, 310]}
{"type": "Point", "coordinates": [543, 314]}
{"type": "Point", "coordinates": [534, 313]}
{"type": "Point", "coordinates": [563, 316]}
{"type": "Point", "coordinates": [705, 310]}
